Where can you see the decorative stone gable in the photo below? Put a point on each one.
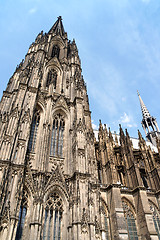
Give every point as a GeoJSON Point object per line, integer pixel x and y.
{"type": "Point", "coordinates": [61, 104]}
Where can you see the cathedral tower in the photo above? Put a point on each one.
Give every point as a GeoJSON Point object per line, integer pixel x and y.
{"type": "Point", "coordinates": [47, 144]}
{"type": "Point", "coordinates": [149, 123]}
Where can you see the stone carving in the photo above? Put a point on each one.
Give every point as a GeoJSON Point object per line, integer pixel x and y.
{"type": "Point", "coordinates": [61, 103]}
{"type": "Point", "coordinates": [97, 228]}
{"type": "Point", "coordinates": [84, 222]}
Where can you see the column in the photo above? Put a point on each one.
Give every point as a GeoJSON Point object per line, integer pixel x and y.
{"type": "Point", "coordinates": [144, 215]}
{"type": "Point", "coordinates": [117, 214]}
{"type": "Point", "coordinates": [57, 225]}
{"type": "Point", "coordinates": [47, 224]}
{"type": "Point", "coordinates": [52, 225]}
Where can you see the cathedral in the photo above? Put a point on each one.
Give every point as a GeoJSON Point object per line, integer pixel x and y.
{"type": "Point", "coordinates": [57, 181]}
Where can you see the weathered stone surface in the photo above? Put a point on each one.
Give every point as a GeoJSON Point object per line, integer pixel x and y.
{"type": "Point", "coordinates": [57, 181]}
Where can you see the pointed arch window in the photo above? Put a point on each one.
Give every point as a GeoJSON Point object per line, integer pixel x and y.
{"type": "Point", "coordinates": [105, 224]}
{"type": "Point", "coordinates": [156, 218]}
{"type": "Point", "coordinates": [130, 221]}
{"type": "Point", "coordinates": [22, 218]}
{"type": "Point", "coordinates": [57, 137]}
{"type": "Point", "coordinates": [52, 78]}
{"type": "Point", "coordinates": [34, 131]}
{"type": "Point", "coordinates": [55, 51]}
{"type": "Point", "coordinates": [53, 218]}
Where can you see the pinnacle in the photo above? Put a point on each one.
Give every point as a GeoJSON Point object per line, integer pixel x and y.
{"type": "Point", "coordinates": [122, 136]}
{"type": "Point", "coordinates": [127, 134]}
{"type": "Point", "coordinates": [58, 27]}
{"type": "Point", "coordinates": [140, 135]}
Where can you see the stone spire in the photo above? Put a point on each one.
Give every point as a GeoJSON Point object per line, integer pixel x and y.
{"type": "Point", "coordinates": [58, 27]}
{"type": "Point", "coordinates": [145, 112]}
{"type": "Point", "coordinates": [149, 123]}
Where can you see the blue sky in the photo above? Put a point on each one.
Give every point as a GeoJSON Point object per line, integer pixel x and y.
{"type": "Point", "coordinates": [119, 47]}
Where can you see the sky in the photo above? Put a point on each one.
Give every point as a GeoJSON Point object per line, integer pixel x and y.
{"type": "Point", "coordinates": [119, 48]}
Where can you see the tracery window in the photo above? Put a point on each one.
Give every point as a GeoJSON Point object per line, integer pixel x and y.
{"type": "Point", "coordinates": [105, 224]}
{"type": "Point", "coordinates": [156, 218]}
{"type": "Point", "coordinates": [57, 137]}
{"type": "Point", "coordinates": [21, 220]}
{"type": "Point", "coordinates": [55, 51]}
{"type": "Point", "coordinates": [130, 221]}
{"type": "Point", "coordinates": [52, 78]}
{"type": "Point", "coordinates": [53, 218]}
{"type": "Point", "coordinates": [34, 131]}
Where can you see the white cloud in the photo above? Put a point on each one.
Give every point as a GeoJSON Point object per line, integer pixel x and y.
{"type": "Point", "coordinates": [125, 118]}
{"type": "Point", "coordinates": [127, 121]}
{"type": "Point", "coordinates": [95, 127]}
{"type": "Point", "coordinates": [32, 10]}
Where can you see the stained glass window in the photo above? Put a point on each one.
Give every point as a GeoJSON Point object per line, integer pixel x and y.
{"type": "Point", "coordinates": [156, 218]}
{"type": "Point", "coordinates": [34, 131]}
{"type": "Point", "coordinates": [130, 221]}
{"type": "Point", "coordinates": [21, 220]}
{"type": "Point", "coordinates": [55, 51]}
{"type": "Point", "coordinates": [53, 218]}
{"type": "Point", "coordinates": [104, 220]}
{"type": "Point", "coordinates": [56, 148]}
{"type": "Point", "coordinates": [52, 78]}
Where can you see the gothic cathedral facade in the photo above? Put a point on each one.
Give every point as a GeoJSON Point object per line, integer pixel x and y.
{"type": "Point", "coordinates": [57, 181]}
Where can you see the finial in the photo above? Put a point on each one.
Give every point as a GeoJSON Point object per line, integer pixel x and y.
{"type": "Point", "coordinates": [121, 131]}
{"type": "Point", "coordinates": [139, 133]}
{"type": "Point", "coordinates": [141, 140]}
{"type": "Point", "coordinates": [127, 134]}
{"type": "Point", "coordinates": [138, 93]}
{"type": "Point", "coordinates": [110, 134]}
{"type": "Point", "coordinates": [58, 27]}
{"type": "Point", "coordinates": [100, 125]}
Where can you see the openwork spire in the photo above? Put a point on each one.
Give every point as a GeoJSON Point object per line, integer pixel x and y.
{"type": "Point", "coordinates": [58, 27]}
{"type": "Point", "coordinates": [149, 123]}
{"type": "Point", "coordinates": [145, 112]}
